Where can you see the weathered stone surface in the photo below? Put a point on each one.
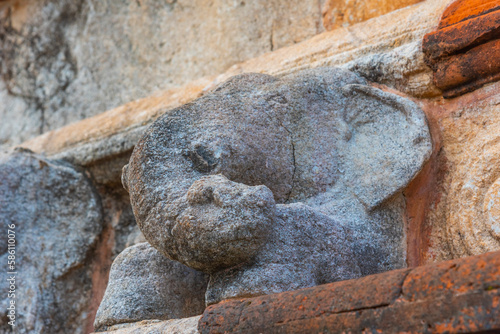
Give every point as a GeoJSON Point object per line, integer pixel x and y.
{"type": "Point", "coordinates": [144, 285]}
{"type": "Point", "coordinates": [462, 217]}
{"type": "Point", "coordinates": [392, 37]}
{"type": "Point", "coordinates": [103, 143]}
{"type": "Point", "coordinates": [57, 217]}
{"type": "Point", "coordinates": [322, 137]}
{"type": "Point", "coordinates": [65, 60]}
{"type": "Point", "coordinates": [464, 51]}
{"type": "Point", "coordinates": [459, 296]}
{"type": "Point", "coordinates": [392, 57]}
{"type": "Point", "coordinates": [90, 56]}
{"type": "Point", "coordinates": [174, 326]}
{"type": "Point", "coordinates": [304, 248]}
{"type": "Point", "coordinates": [135, 237]}
{"type": "Point", "coordinates": [386, 49]}
{"type": "Point", "coordinates": [223, 224]}
{"type": "Point", "coordinates": [119, 231]}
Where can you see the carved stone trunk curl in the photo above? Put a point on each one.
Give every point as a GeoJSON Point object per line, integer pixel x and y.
{"type": "Point", "coordinates": [473, 201]}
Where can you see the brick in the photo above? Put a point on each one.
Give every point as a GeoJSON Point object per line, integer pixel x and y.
{"type": "Point", "coordinates": [464, 314]}
{"type": "Point", "coordinates": [454, 39]}
{"type": "Point", "coordinates": [464, 52]}
{"type": "Point", "coordinates": [459, 296]}
{"type": "Point", "coordinates": [462, 10]}
{"type": "Point", "coordinates": [479, 62]}
{"type": "Point", "coordinates": [446, 279]}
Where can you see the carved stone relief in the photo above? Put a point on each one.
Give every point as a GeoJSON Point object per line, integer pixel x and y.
{"type": "Point", "coordinates": [144, 285]}
{"type": "Point", "coordinates": [275, 184]}
{"type": "Point", "coordinates": [466, 219]}
{"type": "Point", "coordinates": [54, 215]}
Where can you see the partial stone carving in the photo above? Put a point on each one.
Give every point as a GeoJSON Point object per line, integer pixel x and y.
{"type": "Point", "coordinates": [473, 224]}
{"type": "Point", "coordinates": [303, 248]}
{"type": "Point", "coordinates": [145, 285]}
{"type": "Point", "coordinates": [55, 215]}
{"type": "Point", "coordinates": [460, 218]}
{"type": "Point", "coordinates": [277, 184]}
{"type": "Point", "coordinates": [172, 326]}
{"type": "Point", "coordinates": [459, 296]}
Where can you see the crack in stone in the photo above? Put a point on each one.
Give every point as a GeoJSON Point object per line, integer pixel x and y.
{"type": "Point", "coordinates": [293, 153]}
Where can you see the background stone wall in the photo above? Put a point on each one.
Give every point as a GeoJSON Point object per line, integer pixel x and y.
{"type": "Point", "coordinates": [65, 60]}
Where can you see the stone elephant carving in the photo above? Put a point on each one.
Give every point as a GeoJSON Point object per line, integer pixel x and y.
{"type": "Point", "coordinates": [274, 184]}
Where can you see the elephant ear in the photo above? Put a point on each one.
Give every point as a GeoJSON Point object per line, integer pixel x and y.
{"type": "Point", "coordinates": [388, 144]}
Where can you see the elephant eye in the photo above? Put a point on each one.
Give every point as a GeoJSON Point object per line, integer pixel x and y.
{"type": "Point", "coordinates": [202, 159]}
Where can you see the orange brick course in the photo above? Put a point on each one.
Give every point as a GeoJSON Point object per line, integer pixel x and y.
{"type": "Point", "coordinates": [464, 52]}
{"type": "Point", "coordinates": [458, 296]}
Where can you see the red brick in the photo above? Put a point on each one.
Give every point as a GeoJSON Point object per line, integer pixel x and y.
{"type": "Point", "coordinates": [446, 279]}
{"type": "Point", "coordinates": [454, 39]}
{"type": "Point", "coordinates": [459, 296]}
{"type": "Point", "coordinates": [464, 51]}
{"type": "Point", "coordinates": [462, 10]}
{"type": "Point", "coordinates": [480, 62]}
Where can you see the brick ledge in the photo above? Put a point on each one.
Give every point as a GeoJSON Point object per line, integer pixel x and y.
{"type": "Point", "coordinates": [458, 296]}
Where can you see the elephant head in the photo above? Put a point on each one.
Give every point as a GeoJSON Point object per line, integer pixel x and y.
{"type": "Point", "coordinates": [208, 178]}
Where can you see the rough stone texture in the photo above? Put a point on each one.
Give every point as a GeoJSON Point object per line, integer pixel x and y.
{"type": "Point", "coordinates": [104, 143]}
{"type": "Point", "coordinates": [57, 217]}
{"type": "Point", "coordinates": [119, 231]}
{"type": "Point", "coordinates": [119, 217]}
{"type": "Point", "coordinates": [464, 51]}
{"type": "Point", "coordinates": [135, 237]}
{"type": "Point", "coordinates": [462, 218]}
{"type": "Point", "coordinates": [64, 60]}
{"type": "Point", "coordinates": [322, 137]}
{"type": "Point", "coordinates": [174, 326]}
{"type": "Point", "coordinates": [459, 296]}
{"type": "Point", "coordinates": [386, 49]}
{"type": "Point", "coordinates": [223, 224]}
{"type": "Point", "coordinates": [304, 248]}
{"type": "Point", "coordinates": [144, 285]}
